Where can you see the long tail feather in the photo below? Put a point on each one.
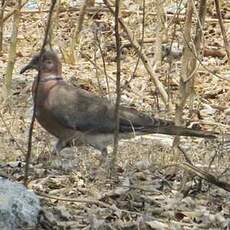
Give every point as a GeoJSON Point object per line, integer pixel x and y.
{"type": "Point", "coordinates": [132, 120]}
{"type": "Point", "coordinates": [179, 131]}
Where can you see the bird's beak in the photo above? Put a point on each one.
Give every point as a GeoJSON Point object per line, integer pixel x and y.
{"type": "Point", "coordinates": [27, 67]}
{"type": "Point", "coordinates": [33, 64]}
{"type": "Point", "coordinates": [24, 69]}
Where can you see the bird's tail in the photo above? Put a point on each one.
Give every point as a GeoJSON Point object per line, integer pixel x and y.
{"type": "Point", "coordinates": [178, 131]}
{"type": "Point", "coordinates": [132, 120]}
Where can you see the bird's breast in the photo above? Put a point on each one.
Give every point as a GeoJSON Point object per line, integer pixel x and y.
{"type": "Point", "coordinates": [52, 125]}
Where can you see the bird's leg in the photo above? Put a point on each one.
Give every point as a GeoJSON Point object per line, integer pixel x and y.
{"type": "Point", "coordinates": [59, 145]}
{"type": "Point", "coordinates": [104, 156]}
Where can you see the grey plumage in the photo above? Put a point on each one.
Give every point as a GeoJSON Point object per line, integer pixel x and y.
{"type": "Point", "coordinates": [71, 113]}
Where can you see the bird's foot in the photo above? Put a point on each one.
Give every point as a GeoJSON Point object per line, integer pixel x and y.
{"type": "Point", "coordinates": [103, 159]}
{"type": "Point", "coordinates": [43, 157]}
{"type": "Point", "coordinates": [50, 156]}
{"type": "Point", "coordinates": [55, 153]}
{"type": "Point", "coordinates": [65, 160]}
{"type": "Point", "coordinates": [59, 145]}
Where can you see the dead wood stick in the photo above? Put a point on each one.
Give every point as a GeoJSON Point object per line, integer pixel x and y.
{"type": "Point", "coordinates": [118, 88]}
{"type": "Point", "coordinates": [45, 42]}
{"type": "Point", "coordinates": [202, 174]}
{"type": "Point", "coordinates": [12, 136]}
{"type": "Point", "coordinates": [143, 57]}
{"type": "Point", "coordinates": [92, 10]}
{"type": "Point", "coordinates": [223, 31]}
{"type": "Point", "coordinates": [13, 11]}
{"type": "Point", "coordinates": [102, 9]}
{"type": "Point", "coordinates": [87, 201]}
{"type": "Point", "coordinates": [206, 176]}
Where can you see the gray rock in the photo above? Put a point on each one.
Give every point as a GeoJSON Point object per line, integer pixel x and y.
{"type": "Point", "coordinates": [19, 207]}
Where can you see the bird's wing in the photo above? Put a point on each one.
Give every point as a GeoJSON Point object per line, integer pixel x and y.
{"type": "Point", "coordinates": [78, 109]}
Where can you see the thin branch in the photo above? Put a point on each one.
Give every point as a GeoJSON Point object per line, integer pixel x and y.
{"type": "Point", "coordinates": [143, 57]}
{"type": "Point", "coordinates": [13, 47]}
{"type": "Point", "coordinates": [45, 41]}
{"type": "Point", "coordinates": [93, 63]}
{"type": "Point", "coordinates": [3, 6]}
{"type": "Point", "coordinates": [206, 176]}
{"type": "Point", "coordinates": [87, 201]}
{"type": "Point", "coordinates": [200, 61]}
{"type": "Point", "coordinates": [118, 87]}
{"type": "Point", "coordinates": [168, 74]}
{"type": "Point", "coordinates": [96, 68]}
{"type": "Point", "coordinates": [76, 34]}
{"type": "Point", "coordinates": [223, 31]}
{"type": "Point", "coordinates": [104, 65]}
{"type": "Point", "coordinates": [10, 133]}
{"type": "Point", "coordinates": [13, 11]}
{"type": "Point", "coordinates": [141, 47]}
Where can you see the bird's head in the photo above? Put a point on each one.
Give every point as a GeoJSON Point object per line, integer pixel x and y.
{"type": "Point", "coordinates": [47, 62]}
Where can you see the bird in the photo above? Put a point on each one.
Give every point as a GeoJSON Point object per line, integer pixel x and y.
{"type": "Point", "coordinates": [72, 114]}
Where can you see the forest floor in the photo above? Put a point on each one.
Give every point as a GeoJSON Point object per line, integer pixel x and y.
{"type": "Point", "coordinates": [153, 188]}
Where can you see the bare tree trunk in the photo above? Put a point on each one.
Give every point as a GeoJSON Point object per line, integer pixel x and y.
{"type": "Point", "coordinates": [159, 33]}
{"type": "Point", "coordinates": [160, 30]}
{"type": "Point", "coordinates": [186, 59]}
{"type": "Point", "coordinates": [69, 51]}
{"type": "Point", "coordinates": [53, 30]}
{"type": "Point", "coordinates": [189, 59]}
{"type": "Point", "coordinates": [188, 71]}
{"type": "Point", "coordinates": [12, 49]}
{"type": "Point", "coordinates": [189, 65]}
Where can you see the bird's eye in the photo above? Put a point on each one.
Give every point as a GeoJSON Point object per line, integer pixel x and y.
{"type": "Point", "coordinates": [49, 62]}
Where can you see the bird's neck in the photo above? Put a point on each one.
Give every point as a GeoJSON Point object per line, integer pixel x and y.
{"type": "Point", "coordinates": [45, 83]}
{"type": "Point", "coordinates": [50, 78]}
{"type": "Point", "coordinates": [46, 77]}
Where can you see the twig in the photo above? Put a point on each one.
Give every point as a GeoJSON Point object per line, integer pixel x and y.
{"type": "Point", "coordinates": [202, 174]}
{"type": "Point", "coordinates": [3, 6]}
{"type": "Point", "coordinates": [96, 68]}
{"type": "Point", "coordinates": [45, 41]}
{"type": "Point", "coordinates": [13, 47]}
{"type": "Point", "coordinates": [141, 47]}
{"type": "Point", "coordinates": [103, 10]}
{"type": "Point", "coordinates": [223, 31]}
{"type": "Point", "coordinates": [13, 11]}
{"type": "Point", "coordinates": [186, 68]}
{"type": "Point", "coordinates": [87, 201]}
{"type": "Point", "coordinates": [185, 154]}
{"type": "Point", "coordinates": [93, 63]}
{"type": "Point", "coordinates": [118, 87]}
{"type": "Point", "coordinates": [8, 130]}
{"type": "Point", "coordinates": [206, 176]}
{"type": "Point", "coordinates": [143, 57]}
{"type": "Point", "coordinates": [104, 65]}
{"type": "Point", "coordinates": [157, 58]}
{"type": "Point", "coordinates": [175, 16]}
{"type": "Point", "coordinates": [201, 64]}
{"type": "Point", "coordinates": [76, 33]}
